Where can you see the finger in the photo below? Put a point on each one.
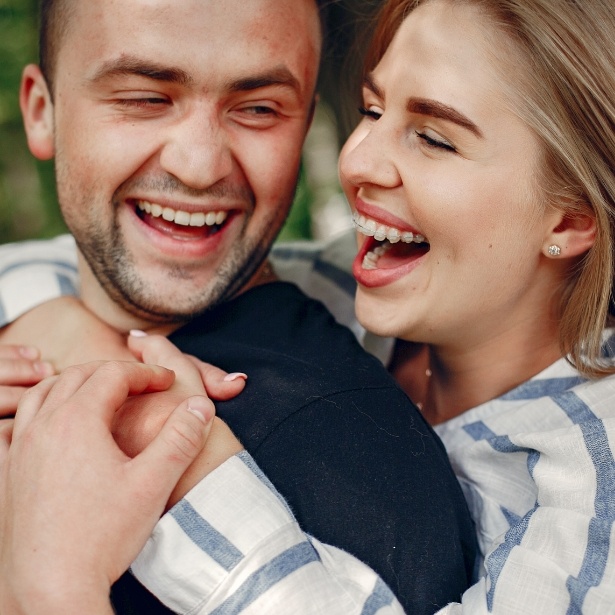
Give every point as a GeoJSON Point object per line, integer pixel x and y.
{"type": "Point", "coordinates": [69, 382]}
{"type": "Point", "coordinates": [182, 437]}
{"type": "Point", "coordinates": [155, 349]}
{"type": "Point", "coordinates": [9, 398]}
{"type": "Point", "coordinates": [13, 351]}
{"type": "Point", "coordinates": [23, 372]}
{"type": "Point", "coordinates": [219, 384]}
{"type": "Point", "coordinates": [30, 403]}
{"type": "Point", "coordinates": [6, 431]}
{"type": "Point", "coordinates": [114, 381]}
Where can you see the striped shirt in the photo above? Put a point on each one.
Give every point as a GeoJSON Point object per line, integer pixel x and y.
{"type": "Point", "coordinates": [536, 466]}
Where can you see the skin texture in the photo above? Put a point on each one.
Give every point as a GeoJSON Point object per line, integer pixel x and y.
{"type": "Point", "coordinates": [483, 295]}
{"type": "Point", "coordinates": [198, 106]}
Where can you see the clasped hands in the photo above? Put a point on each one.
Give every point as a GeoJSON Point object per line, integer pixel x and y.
{"type": "Point", "coordinates": [91, 461]}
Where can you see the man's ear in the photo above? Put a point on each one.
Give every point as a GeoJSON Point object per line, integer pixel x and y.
{"type": "Point", "coordinates": [573, 232]}
{"type": "Point", "coordinates": [37, 111]}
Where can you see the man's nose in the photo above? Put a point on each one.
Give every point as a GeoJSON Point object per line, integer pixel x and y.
{"type": "Point", "coordinates": [197, 151]}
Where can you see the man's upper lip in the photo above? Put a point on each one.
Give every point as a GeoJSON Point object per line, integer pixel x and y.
{"type": "Point", "coordinates": [383, 216]}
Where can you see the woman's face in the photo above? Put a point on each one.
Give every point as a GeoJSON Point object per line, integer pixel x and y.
{"type": "Point", "coordinates": [441, 176]}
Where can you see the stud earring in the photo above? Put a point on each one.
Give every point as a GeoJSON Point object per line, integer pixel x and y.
{"type": "Point", "coordinates": [554, 250]}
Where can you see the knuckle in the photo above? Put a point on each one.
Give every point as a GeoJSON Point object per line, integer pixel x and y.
{"type": "Point", "coordinates": [186, 441]}
{"type": "Point", "coordinates": [74, 372]}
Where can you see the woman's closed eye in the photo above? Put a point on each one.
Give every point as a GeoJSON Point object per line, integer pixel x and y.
{"type": "Point", "coordinates": [432, 141]}
{"type": "Point", "coordinates": [370, 113]}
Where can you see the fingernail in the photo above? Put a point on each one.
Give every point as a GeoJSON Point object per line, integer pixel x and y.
{"type": "Point", "coordinates": [28, 352]}
{"type": "Point", "coordinates": [44, 368]}
{"type": "Point", "coordinates": [137, 333]}
{"type": "Point", "coordinates": [234, 376]}
{"type": "Point", "coordinates": [201, 408]}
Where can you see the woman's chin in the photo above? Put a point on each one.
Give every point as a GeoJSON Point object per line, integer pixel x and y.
{"type": "Point", "coordinates": [380, 315]}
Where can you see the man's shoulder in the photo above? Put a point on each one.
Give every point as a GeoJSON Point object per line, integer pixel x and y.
{"type": "Point", "coordinates": [277, 322]}
{"type": "Point", "coordinates": [323, 271]}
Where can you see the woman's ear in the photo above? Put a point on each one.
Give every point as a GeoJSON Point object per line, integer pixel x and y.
{"type": "Point", "coordinates": [572, 234]}
{"type": "Point", "coordinates": [37, 111]}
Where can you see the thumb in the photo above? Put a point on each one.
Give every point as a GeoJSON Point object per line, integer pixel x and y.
{"type": "Point", "coordinates": [161, 464]}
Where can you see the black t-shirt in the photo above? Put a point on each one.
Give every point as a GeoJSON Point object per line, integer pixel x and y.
{"type": "Point", "coordinates": [331, 429]}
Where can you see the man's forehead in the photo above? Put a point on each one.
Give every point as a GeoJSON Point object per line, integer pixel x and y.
{"type": "Point", "coordinates": [215, 34]}
{"type": "Point", "coordinates": [235, 13]}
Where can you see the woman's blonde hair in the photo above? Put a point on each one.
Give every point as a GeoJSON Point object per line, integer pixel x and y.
{"type": "Point", "coordinates": [568, 50]}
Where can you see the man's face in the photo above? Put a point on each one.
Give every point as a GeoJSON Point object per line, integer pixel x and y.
{"type": "Point", "coordinates": [178, 127]}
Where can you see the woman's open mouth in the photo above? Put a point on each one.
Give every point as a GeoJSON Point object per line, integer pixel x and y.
{"type": "Point", "coordinates": [387, 247]}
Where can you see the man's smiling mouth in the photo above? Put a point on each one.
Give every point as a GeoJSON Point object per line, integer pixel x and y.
{"type": "Point", "coordinates": [168, 219]}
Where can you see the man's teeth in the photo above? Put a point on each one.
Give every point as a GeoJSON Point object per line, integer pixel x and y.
{"type": "Point", "coordinates": [380, 232]}
{"type": "Point", "coordinates": [183, 218]}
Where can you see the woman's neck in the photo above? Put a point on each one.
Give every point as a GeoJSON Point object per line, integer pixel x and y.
{"type": "Point", "coordinates": [445, 382]}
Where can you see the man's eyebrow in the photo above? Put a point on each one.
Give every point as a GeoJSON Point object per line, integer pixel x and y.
{"type": "Point", "coordinates": [280, 76]}
{"type": "Point", "coordinates": [432, 108]}
{"type": "Point", "coordinates": [126, 66]}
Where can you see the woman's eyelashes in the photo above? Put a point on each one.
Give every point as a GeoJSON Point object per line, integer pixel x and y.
{"type": "Point", "coordinates": [433, 142]}
{"type": "Point", "coordinates": [428, 139]}
{"type": "Point", "coordinates": [370, 113]}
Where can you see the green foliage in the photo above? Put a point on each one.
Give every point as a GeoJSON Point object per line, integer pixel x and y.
{"type": "Point", "coordinates": [27, 192]}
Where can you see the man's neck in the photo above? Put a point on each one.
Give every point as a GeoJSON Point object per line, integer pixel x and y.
{"type": "Point", "coordinates": [98, 301]}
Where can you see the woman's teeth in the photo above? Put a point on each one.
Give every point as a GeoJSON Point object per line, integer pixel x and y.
{"type": "Point", "coordinates": [370, 259]}
{"type": "Point", "coordinates": [380, 232]}
{"type": "Point", "coordinates": [183, 218]}
{"type": "Point", "coordinates": [389, 235]}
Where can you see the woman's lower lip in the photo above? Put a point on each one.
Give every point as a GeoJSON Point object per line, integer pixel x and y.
{"type": "Point", "coordinates": [372, 278]}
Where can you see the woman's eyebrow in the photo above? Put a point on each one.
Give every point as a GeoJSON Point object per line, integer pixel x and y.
{"type": "Point", "coordinates": [370, 84]}
{"type": "Point", "coordinates": [425, 106]}
{"type": "Point", "coordinates": [436, 109]}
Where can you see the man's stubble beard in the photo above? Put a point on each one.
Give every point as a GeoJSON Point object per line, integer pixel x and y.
{"type": "Point", "coordinates": [115, 270]}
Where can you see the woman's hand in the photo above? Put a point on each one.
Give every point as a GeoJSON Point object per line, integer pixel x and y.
{"type": "Point", "coordinates": [20, 368]}
{"type": "Point", "coordinates": [75, 510]}
{"type": "Point", "coordinates": [142, 417]}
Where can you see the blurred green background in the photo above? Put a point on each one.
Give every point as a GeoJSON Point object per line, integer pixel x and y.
{"type": "Point", "coordinates": [27, 194]}
{"type": "Point", "coordinates": [28, 205]}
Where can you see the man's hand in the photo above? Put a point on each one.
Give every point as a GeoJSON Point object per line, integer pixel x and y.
{"type": "Point", "coordinates": [20, 368]}
{"type": "Point", "coordinates": [75, 509]}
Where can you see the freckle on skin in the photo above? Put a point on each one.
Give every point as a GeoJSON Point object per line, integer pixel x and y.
{"type": "Point", "coordinates": [490, 245]}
